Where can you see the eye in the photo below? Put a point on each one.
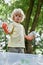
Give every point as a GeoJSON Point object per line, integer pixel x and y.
{"type": "Point", "coordinates": [16, 15]}
{"type": "Point", "coordinates": [19, 16]}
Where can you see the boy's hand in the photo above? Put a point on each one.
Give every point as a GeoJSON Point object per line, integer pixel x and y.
{"type": "Point", "coordinates": [30, 38]}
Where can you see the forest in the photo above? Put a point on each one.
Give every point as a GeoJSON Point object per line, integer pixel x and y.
{"type": "Point", "coordinates": [33, 10]}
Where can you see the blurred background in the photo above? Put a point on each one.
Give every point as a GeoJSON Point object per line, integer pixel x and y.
{"type": "Point", "coordinates": [33, 23]}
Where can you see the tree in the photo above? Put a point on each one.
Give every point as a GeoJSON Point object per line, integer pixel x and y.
{"type": "Point", "coordinates": [35, 21]}
{"type": "Point", "coordinates": [34, 24]}
{"type": "Point", "coordinates": [28, 15]}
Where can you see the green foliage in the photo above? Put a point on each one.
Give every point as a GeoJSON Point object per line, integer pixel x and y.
{"type": "Point", "coordinates": [6, 9]}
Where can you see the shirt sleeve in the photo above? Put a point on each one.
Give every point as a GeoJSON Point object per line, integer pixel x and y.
{"type": "Point", "coordinates": [10, 27]}
{"type": "Point", "coordinates": [24, 31]}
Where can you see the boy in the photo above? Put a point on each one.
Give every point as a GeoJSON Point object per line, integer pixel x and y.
{"type": "Point", "coordinates": [16, 31]}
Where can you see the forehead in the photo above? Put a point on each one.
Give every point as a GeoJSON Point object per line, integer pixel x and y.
{"type": "Point", "coordinates": [18, 13]}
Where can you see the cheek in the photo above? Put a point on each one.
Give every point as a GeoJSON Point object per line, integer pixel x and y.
{"type": "Point", "coordinates": [20, 18]}
{"type": "Point", "coordinates": [14, 18]}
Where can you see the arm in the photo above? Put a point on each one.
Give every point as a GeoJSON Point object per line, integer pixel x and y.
{"type": "Point", "coordinates": [28, 37]}
{"type": "Point", "coordinates": [7, 28]}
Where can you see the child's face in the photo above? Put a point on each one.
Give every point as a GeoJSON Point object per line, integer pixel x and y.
{"type": "Point", "coordinates": [17, 17]}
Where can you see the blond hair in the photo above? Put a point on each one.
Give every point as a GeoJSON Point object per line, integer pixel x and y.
{"type": "Point", "coordinates": [18, 10]}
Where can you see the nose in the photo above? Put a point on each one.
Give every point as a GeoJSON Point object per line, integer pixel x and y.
{"type": "Point", "coordinates": [18, 17]}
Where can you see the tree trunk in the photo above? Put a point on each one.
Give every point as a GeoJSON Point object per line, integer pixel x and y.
{"type": "Point", "coordinates": [28, 15]}
{"type": "Point", "coordinates": [27, 22]}
{"type": "Point", "coordinates": [35, 21]}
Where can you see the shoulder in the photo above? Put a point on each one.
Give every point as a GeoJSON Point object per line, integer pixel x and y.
{"type": "Point", "coordinates": [21, 26]}
{"type": "Point", "coordinates": [10, 26]}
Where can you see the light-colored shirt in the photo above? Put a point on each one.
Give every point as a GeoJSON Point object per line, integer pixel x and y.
{"type": "Point", "coordinates": [17, 35]}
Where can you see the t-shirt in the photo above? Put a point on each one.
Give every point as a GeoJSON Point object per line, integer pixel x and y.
{"type": "Point", "coordinates": [17, 35]}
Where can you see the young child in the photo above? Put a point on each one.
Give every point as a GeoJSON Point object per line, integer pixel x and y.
{"type": "Point", "coordinates": [16, 31]}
